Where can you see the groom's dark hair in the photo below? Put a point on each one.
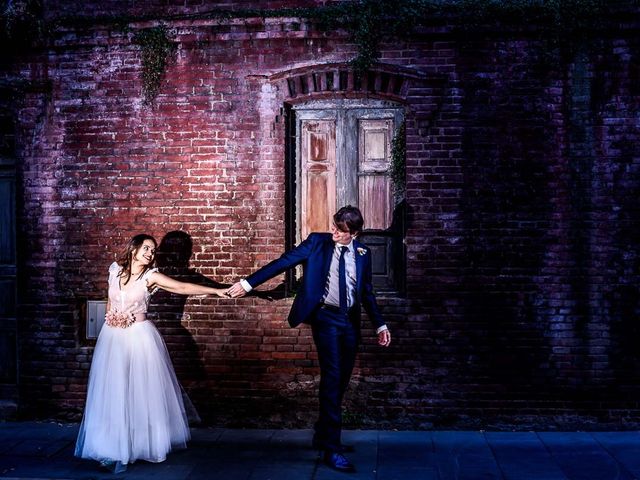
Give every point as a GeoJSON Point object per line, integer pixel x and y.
{"type": "Point", "coordinates": [349, 219]}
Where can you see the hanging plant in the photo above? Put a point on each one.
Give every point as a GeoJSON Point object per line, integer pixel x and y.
{"type": "Point", "coordinates": [397, 167]}
{"type": "Point", "coordinates": [156, 48]}
{"type": "Point", "coordinates": [366, 32]}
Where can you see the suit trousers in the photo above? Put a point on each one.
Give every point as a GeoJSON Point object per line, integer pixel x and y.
{"type": "Point", "coordinates": [336, 340]}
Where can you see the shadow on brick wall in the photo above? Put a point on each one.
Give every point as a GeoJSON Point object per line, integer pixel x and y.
{"type": "Point", "coordinates": [167, 310]}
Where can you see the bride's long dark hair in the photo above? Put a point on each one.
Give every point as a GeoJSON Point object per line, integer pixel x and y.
{"type": "Point", "coordinates": [126, 257]}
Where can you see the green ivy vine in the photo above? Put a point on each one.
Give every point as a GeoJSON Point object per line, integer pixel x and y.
{"type": "Point", "coordinates": [368, 23]}
{"type": "Point", "coordinates": [156, 47]}
{"type": "Point", "coordinates": [397, 167]}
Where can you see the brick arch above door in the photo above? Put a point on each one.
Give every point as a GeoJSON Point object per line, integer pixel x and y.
{"type": "Point", "coordinates": [330, 80]}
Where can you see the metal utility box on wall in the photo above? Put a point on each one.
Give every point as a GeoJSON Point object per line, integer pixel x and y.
{"type": "Point", "coordinates": [96, 310]}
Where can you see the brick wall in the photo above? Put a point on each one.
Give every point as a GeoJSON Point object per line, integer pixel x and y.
{"type": "Point", "coordinates": [523, 175]}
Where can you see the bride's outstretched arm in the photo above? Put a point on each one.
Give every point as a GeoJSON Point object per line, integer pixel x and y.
{"type": "Point", "coordinates": [160, 280]}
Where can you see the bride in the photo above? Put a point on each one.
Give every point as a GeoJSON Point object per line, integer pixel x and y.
{"type": "Point", "coordinates": [134, 408]}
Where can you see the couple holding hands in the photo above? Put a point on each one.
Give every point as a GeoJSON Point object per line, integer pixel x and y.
{"type": "Point", "coordinates": [135, 408]}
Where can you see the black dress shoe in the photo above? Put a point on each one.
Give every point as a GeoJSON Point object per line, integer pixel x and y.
{"type": "Point", "coordinates": [338, 462]}
{"type": "Point", "coordinates": [318, 445]}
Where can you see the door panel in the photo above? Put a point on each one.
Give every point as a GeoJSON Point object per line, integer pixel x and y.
{"type": "Point", "coordinates": [318, 175]}
{"type": "Point", "coordinates": [374, 192]}
{"type": "Point", "coordinates": [7, 221]}
{"type": "Point", "coordinates": [382, 261]}
{"type": "Point", "coordinates": [374, 185]}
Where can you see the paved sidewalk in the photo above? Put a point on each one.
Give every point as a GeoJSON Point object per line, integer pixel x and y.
{"type": "Point", "coordinates": [45, 450]}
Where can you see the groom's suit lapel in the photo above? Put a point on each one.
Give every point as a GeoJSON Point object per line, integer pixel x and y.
{"type": "Point", "coordinates": [359, 266]}
{"type": "Point", "coordinates": [327, 252]}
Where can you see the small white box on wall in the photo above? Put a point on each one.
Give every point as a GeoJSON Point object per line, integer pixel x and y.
{"type": "Point", "coordinates": [96, 310]}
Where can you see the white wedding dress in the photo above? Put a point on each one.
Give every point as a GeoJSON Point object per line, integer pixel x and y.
{"type": "Point", "coordinates": [135, 409]}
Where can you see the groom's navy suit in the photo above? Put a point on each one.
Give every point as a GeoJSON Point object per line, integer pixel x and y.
{"type": "Point", "coordinates": [335, 334]}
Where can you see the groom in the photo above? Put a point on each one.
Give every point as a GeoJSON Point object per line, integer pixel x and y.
{"type": "Point", "coordinates": [336, 281]}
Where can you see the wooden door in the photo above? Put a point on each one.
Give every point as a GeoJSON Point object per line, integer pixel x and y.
{"type": "Point", "coordinates": [343, 154]}
{"type": "Point", "coordinates": [8, 325]}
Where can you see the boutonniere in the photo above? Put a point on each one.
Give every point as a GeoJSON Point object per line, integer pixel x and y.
{"type": "Point", "coordinates": [361, 251]}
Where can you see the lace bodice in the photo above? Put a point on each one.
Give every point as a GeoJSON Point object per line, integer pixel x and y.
{"type": "Point", "coordinates": [134, 297]}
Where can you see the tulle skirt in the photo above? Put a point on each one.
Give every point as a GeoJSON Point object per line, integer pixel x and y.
{"type": "Point", "coordinates": [134, 409]}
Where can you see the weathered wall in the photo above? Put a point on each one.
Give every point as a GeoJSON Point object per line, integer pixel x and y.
{"type": "Point", "coordinates": [523, 174]}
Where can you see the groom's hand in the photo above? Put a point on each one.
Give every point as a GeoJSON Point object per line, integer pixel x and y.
{"type": "Point", "coordinates": [236, 291]}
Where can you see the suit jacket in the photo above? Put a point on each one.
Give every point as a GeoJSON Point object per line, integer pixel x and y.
{"type": "Point", "coordinates": [315, 256]}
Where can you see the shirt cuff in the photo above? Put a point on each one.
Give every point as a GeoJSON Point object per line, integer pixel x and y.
{"type": "Point", "coordinates": [382, 329]}
{"type": "Point", "coordinates": [245, 285]}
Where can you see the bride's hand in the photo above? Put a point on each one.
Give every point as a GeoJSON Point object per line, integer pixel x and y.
{"type": "Point", "coordinates": [220, 292]}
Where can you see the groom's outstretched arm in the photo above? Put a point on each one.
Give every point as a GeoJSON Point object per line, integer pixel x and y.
{"type": "Point", "coordinates": [288, 260]}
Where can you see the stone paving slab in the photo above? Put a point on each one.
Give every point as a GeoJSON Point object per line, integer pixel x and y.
{"type": "Point", "coordinates": [581, 457]}
{"type": "Point", "coordinates": [44, 450]}
{"type": "Point", "coordinates": [522, 456]}
{"type": "Point", "coordinates": [464, 456]}
{"type": "Point", "coordinates": [623, 446]}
